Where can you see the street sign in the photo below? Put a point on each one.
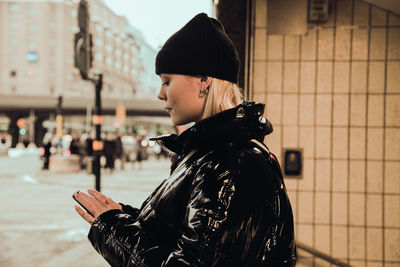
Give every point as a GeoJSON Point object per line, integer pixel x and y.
{"type": "Point", "coordinates": [120, 114]}
{"type": "Point", "coordinates": [21, 123]}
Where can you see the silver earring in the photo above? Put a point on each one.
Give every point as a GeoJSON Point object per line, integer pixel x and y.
{"type": "Point", "coordinates": [204, 92]}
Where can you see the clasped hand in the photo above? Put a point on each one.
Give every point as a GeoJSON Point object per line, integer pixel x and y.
{"type": "Point", "coordinates": [95, 204]}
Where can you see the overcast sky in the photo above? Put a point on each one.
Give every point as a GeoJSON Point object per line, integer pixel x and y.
{"type": "Point", "coordinates": [159, 19]}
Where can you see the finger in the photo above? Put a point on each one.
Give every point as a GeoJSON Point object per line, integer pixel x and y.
{"type": "Point", "coordinates": [90, 203]}
{"type": "Point", "coordinates": [86, 216]}
{"type": "Point", "coordinates": [105, 201]}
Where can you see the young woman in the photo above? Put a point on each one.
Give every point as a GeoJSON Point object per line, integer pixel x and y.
{"type": "Point", "coordinates": [225, 202]}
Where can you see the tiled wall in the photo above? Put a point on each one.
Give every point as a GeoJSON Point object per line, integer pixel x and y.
{"type": "Point", "coordinates": [335, 92]}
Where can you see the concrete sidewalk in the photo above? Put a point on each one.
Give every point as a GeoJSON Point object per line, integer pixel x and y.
{"type": "Point", "coordinates": [38, 224]}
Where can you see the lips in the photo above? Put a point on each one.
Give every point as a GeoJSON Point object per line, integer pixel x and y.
{"type": "Point", "coordinates": [168, 110]}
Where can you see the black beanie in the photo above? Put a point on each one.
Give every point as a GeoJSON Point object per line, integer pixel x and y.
{"type": "Point", "coordinates": [201, 48]}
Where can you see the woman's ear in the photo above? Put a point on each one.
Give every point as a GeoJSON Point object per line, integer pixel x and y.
{"type": "Point", "coordinates": [206, 81]}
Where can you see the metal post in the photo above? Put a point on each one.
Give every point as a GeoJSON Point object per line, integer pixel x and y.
{"type": "Point", "coordinates": [98, 144]}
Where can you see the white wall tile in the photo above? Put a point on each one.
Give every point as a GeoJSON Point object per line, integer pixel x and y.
{"type": "Point", "coordinates": [290, 110]}
{"type": "Point", "coordinates": [358, 110]}
{"type": "Point", "coordinates": [359, 76]}
{"type": "Point", "coordinates": [322, 207]}
{"type": "Point", "coordinates": [306, 109]}
{"type": "Point", "coordinates": [323, 174]}
{"type": "Point", "coordinates": [307, 183]}
{"type": "Point", "coordinates": [392, 177]}
{"type": "Point", "coordinates": [392, 241]}
{"type": "Point", "coordinates": [340, 175]}
{"type": "Point", "coordinates": [394, 20]}
{"type": "Point", "coordinates": [392, 211]}
{"type": "Point", "coordinates": [360, 44]}
{"type": "Point", "coordinates": [260, 42]}
{"type": "Point", "coordinates": [275, 47]}
{"type": "Point", "coordinates": [323, 142]}
{"type": "Point", "coordinates": [392, 144]}
{"type": "Point", "coordinates": [324, 78]}
{"type": "Point", "coordinates": [308, 45]}
{"type": "Point", "coordinates": [307, 141]}
{"type": "Point", "coordinates": [374, 210]}
{"type": "Point", "coordinates": [340, 143]}
{"type": "Point", "coordinates": [339, 209]}
{"type": "Point", "coordinates": [357, 243]}
{"type": "Point", "coordinates": [307, 77]}
{"type": "Point", "coordinates": [340, 242]}
{"type": "Point", "coordinates": [325, 44]}
{"type": "Point", "coordinates": [290, 136]}
{"type": "Point", "coordinates": [324, 110]}
{"type": "Point", "coordinates": [375, 143]}
{"type": "Point", "coordinates": [393, 43]}
{"type": "Point", "coordinates": [357, 143]}
{"type": "Point", "coordinates": [340, 110]}
{"type": "Point", "coordinates": [378, 16]}
{"type": "Point", "coordinates": [342, 45]}
{"type": "Point", "coordinates": [306, 205]}
{"type": "Point", "coordinates": [377, 43]}
{"type": "Point", "coordinates": [376, 78]}
{"type": "Point", "coordinates": [342, 76]}
{"type": "Point", "coordinates": [357, 176]}
{"type": "Point", "coordinates": [291, 77]}
{"type": "Point", "coordinates": [259, 77]}
{"type": "Point", "coordinates": [357, 209]}
{"type": "Point", "coordinates": [392, 110]}
{"type": "Point", "coordinates": [374, 244]}
{"type": "Point", "coordinates": [375, 110]}
{"type": "Point", "coordinates": [274, 76]}
{"type": "Point", "coordinates": [374, 176]}
{"type": "Point", "coordinates": [273, 108]}
{"type": "Point", "coordinates": [393, 77]}
{"type": "Point", "coordinates": [292, 47]}
{"type": "Point", "coordinates": [322, 239]}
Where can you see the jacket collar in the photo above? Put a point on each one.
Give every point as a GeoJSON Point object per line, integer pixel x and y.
{"type": "Point", "coordinates": [241, 123]}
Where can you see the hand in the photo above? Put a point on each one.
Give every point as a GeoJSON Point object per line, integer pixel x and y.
{"type": "Point", "coordinates": [96, 203]}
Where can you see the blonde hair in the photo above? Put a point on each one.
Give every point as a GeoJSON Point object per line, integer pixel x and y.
{"type": "Point", "coordinates": [222, 95]}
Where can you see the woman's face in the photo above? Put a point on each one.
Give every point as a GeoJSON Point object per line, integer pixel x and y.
{"type": "Point", "coordinates": [181, 94]}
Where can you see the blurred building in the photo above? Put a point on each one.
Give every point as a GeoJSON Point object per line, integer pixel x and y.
{"type": "Point", "coordinates": [37, 61]}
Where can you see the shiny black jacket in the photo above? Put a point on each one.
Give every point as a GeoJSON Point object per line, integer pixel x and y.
{"type": "Point", "coordinates": [223, 205]}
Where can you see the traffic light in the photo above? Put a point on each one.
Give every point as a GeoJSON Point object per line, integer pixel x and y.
{"type": "Point", "coordinates": [83, 41]}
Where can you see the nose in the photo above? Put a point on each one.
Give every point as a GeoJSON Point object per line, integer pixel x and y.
{"type": "Point", "coordinates": [161, 94]}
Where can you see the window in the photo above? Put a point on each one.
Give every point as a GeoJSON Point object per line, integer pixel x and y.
{"type": "Point", "coordinates": [14, 41]}
{"type": "Point", "coordinates": [13, 8]}
{"type": "Point", "coordinates": [32, 11]}
{"type": "Point", "coordinates": [32, 45]}
{"type": "Point", "coordinates": [14, 25]}
{"type": "Point", "coordinates": [13, 57]}
{"type": "Point", "coordinates": [32, 28]}
{"type": "Point", "coordinates": [32, 56]}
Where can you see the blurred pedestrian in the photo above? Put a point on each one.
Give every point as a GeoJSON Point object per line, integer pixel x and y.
{"type": "Point", "coordinates": [109, 152]}
{"type": "Point", "coordinates": [119, 151]}
{"type": "Point", "coordinates": [47, 150]}
{"type": "Point", "coordinates": [225, 203]}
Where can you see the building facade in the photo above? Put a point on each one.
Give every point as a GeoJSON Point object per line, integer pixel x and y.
{"type": "Point", "coordinates": [37, 61]}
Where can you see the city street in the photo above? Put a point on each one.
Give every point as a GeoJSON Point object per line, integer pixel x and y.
{"type": "Point", "coordinates": [38, 223]}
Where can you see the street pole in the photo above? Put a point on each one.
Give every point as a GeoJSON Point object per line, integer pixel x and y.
{"type": "Point", "coordinates": [83, 61]}
{"type": "Point", "coordinates": [97, 121]}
